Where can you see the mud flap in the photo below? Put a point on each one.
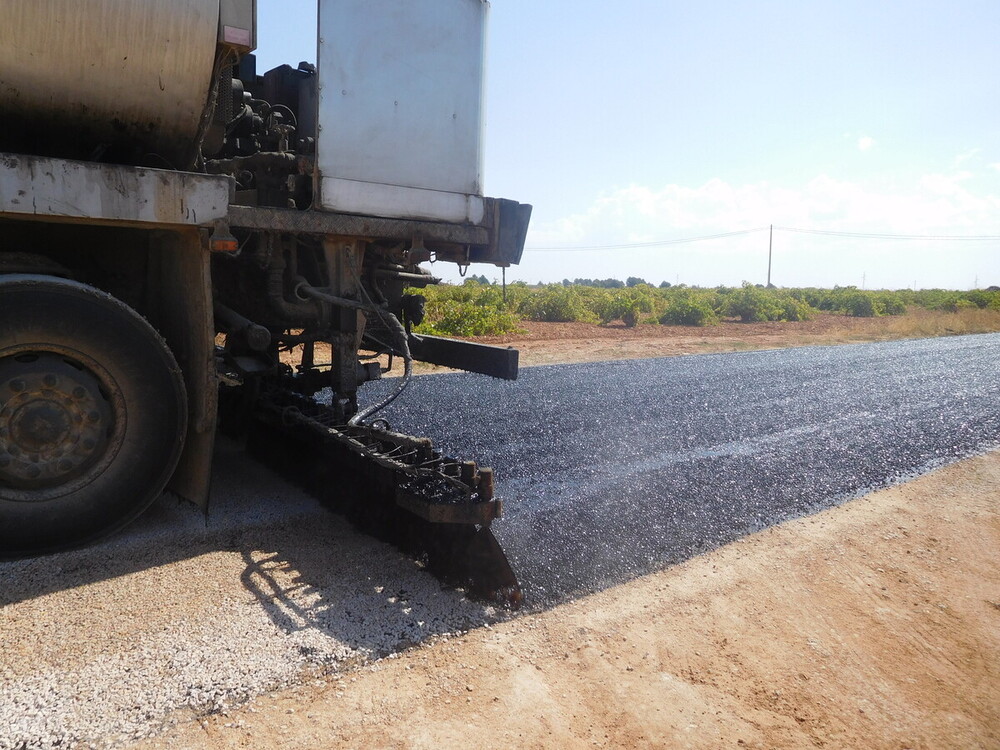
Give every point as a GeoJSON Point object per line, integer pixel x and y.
{"type": "Point", "coordinates": [183, 314]}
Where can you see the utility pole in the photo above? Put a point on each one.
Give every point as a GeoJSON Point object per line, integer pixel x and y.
{"type": "Point", "coordinates": [770, 242]}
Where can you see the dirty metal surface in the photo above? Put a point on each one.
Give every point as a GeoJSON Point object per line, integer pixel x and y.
{"type": "Point", "coordinates": [104, 70]}
{"type": "Point", "coordinates": [498, 361]}
{"type": "Point", "coordinates": [36, 187]}
{"type": "Point", "coordinates": [349, 225]}
{"type": "Point", "coordinates": [611, 470]}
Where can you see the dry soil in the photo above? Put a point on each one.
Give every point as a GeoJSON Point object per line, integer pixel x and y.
{"type": "Point", "coordinates": [872, 625]}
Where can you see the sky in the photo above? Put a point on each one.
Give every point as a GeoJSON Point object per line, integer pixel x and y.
{"type": "Point", "coordinates": [633, 127]}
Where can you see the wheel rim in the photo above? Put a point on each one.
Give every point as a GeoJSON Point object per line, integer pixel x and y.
{"type": "Point", "coordinates": [92, 402]}
{"type": "Point", "coordinates": [57, 425]}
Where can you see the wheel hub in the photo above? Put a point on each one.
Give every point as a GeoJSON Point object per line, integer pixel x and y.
{"type": "Point", "coordinates": [54, 420]}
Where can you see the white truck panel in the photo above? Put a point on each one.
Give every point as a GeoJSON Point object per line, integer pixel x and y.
{"type": "Point", "coordinates": [401, 107]}
{"type": "Point", "coordinates": [394, 201]}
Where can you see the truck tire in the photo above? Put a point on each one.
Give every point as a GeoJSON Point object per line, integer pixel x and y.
{"type": "Point", "coordinates": [92, 414]}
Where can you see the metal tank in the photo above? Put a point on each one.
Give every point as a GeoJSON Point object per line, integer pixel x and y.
{"type": "Point", "coordinates": [116, 80]}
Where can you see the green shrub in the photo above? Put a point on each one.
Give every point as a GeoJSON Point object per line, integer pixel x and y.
{"type": "Point", "coordinates": [794, 309]}
{"type": "Point", "coordinates": [822, 299]}
{"type": "Point", "coordinates": [752, 304]}
{"type": "Point", "coordinates": [936, 299]}
{"type": "Point", "coordinates": [557, 304]}
{"type": "Point", "coordinates": [860, 305]}
{"type": "Point", "coordinates": [471, 309]}
{"type": "Point", "coordinates": [687, 309]}
{"type": "Point", "coordinates": [477, 309]}
{"type": "Point", "coordinates": [627, 305]}
{"type": "Point", "coordinates": [980, 297]}
{"type": "Point", "coordinates": [454, 318]}
{"type": "Point", "coordinates": [892, 304]}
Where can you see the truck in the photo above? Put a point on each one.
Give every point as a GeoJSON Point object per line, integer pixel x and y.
{"type": "Point", "coordinates": [189, 245]}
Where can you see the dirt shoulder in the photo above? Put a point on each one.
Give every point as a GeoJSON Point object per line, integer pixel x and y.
{"type": "Point", "coordinates": [565, 343]}
{"type": "Point", "coordinates": [875, 624]}
{"type": "Point", "coordinates": [555, 343]}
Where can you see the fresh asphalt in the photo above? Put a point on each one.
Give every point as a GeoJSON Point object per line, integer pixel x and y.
{"type": "Point", "coordinates": [611, 470]}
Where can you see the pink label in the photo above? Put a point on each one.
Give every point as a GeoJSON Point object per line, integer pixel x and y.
{"type": "Point", "coordinates": [234, 35]}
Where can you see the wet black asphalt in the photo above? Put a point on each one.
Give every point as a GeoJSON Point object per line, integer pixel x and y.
{"type": "Point", "coordinates": [611, 470]}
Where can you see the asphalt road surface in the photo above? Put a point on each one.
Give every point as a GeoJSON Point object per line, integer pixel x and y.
{"type": "Point", "coordinates": [610, 470]}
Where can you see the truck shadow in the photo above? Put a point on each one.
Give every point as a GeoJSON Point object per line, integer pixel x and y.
{"type": "Point", "coordinates": [295, 568]}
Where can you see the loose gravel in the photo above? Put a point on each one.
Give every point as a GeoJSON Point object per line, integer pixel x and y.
{"type": "Point", "coordinates": [608, 470]}
{"type": "Point", "coordinates": [103, 645]}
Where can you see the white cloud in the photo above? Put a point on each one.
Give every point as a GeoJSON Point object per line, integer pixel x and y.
{"type": "Point", "coordinates": [865, 143]}
{"type": "Point", "coordinates": [944, 184]}
{"type": "Point", "coordinates": [936, 204]}
{"type": "Point", "coordinates": [965, 156]}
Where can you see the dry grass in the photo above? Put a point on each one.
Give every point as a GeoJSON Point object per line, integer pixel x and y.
{"type": "Point", "coordinates": [926, 323]}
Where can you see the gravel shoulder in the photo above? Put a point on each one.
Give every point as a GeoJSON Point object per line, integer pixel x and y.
{"type": "Point", "coordinates": [874, 624]}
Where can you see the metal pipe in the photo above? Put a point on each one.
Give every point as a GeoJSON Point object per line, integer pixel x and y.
{"type": "Point", "coordinates": [228, 320]}
{"type": "Point", "coordinates": [312, 292]}
{"type": "Point", "coordinates": [392, 323]}
{"type": "Point", "coordinates": [299, 314]}
{"type": "Point", "coordinates": [421, 279]}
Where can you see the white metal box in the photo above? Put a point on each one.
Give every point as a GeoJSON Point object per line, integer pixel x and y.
{"type": "Point", "coordinates": [238, 24]}
{"type": "Point", "coordinates": [401, 108]}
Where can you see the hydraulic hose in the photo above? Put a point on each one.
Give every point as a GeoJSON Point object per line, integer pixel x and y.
{"type": "Point", "coordinates": [391, 322]}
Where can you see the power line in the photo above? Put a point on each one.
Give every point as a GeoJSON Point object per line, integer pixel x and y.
{"type": "Point", "coordinates": [853, 235]}
{"type": "Point", "coordinates": [653, 244]}
{"type": "Point", "coordinates": [875, 236]}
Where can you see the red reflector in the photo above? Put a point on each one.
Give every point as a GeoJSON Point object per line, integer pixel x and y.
{"type": "Point", "coordinates": [220, 245]}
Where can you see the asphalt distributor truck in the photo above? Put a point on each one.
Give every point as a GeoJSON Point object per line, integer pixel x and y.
{"type": "Point", "coordinates": [189, 244]}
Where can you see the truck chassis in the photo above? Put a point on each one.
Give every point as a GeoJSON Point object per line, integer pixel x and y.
{"type": "Point", "coordinates": [133, 299]}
